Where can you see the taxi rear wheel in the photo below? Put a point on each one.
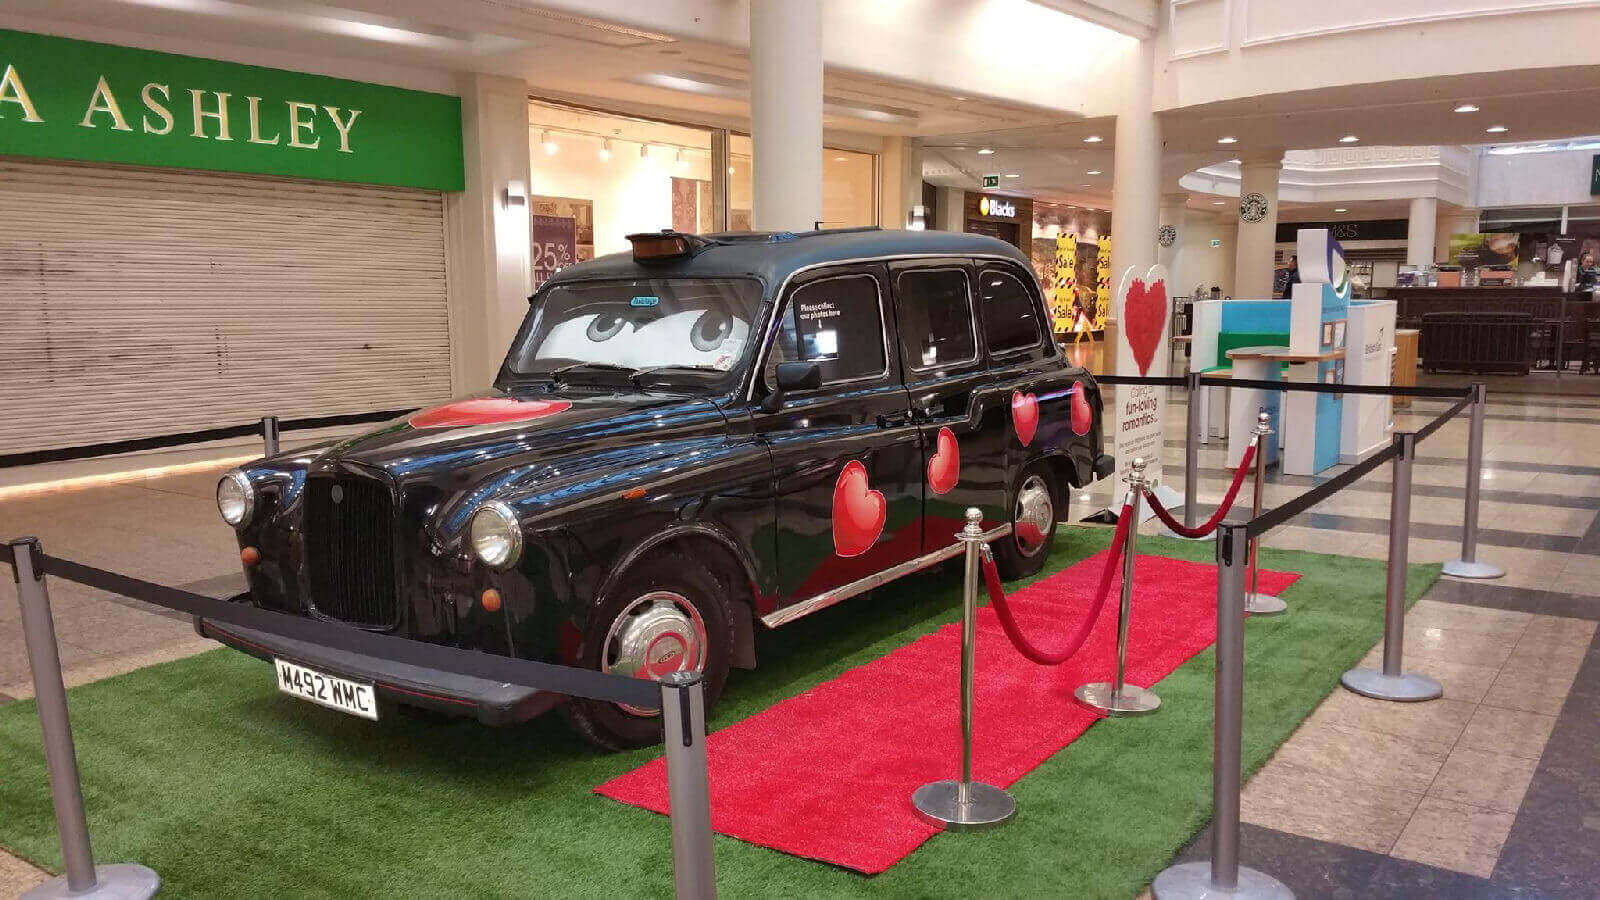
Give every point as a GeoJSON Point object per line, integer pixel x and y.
{"type": "Point", "coordinates": [1036, 504]}
{"type": "Point", "coordinates": [666, 615]}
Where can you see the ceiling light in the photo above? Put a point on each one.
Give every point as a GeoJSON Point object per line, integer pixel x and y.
{"type": "Point", "coordinates": [1349, 139]}
{"type": "Point", "coordinates": [1093, 139]}
{"type": "Point", "coordinates": [550, 145]}
{"type": "Point", "coordinates": [840, 159]}
{"type": "Point", "coordinates": [1094, 172]}
{"type": "Point", "coordinates": [1013, 175]}
{"type": "Point", "coordinates": [1236, 161]}
{"type": "Point", "coordinates": [1085, 185]}
{"type": "Point", "coordinates": [1218, 202]}
{"type": "Point", "coordinates": [1228, 140]}
{"type": "Point", "coordinates": [605, 151]}
{"type": "Point", "coordinates": [1466, 107]}
{"type": "Point", "coordinates": [958, 98]}
{"type": "Point", "coordinates": [1496, 129]}
{"type": "Point", "coordinates": [730, 170]}
{"type": "Point", "coordinates": [986, 151]}
{"type": "Point", "coordinates": [644, 151]}
{"type": "Point", "coordinates": [1340, 209]}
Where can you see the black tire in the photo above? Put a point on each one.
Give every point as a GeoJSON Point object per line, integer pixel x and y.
{"type": "Point", "coordinates": [610, 725]}
{"type": "Point", "coordinates": [1023, 553]}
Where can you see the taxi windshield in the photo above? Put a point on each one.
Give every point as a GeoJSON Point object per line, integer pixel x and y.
{"type": "Point", "coordinates": [656, 326]}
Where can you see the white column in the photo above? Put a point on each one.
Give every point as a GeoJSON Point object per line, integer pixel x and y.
{"type": "Point", "coordinates": [786, 113]}
{"type": "Point", "coordinates": [1253, 270]}
{"type": "Point", "coordinates": [487, 239]}
{"type": "Point", "coordinates": [1136, 184]}
{"type": "Point", "coordinates": [952, 212]}
{"type": "Point", "coordinates": [1171, 215]}
{"type": "Point", "coordinates": [1421, 229]}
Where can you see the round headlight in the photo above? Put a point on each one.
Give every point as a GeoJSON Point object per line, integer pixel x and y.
{"type": "Point", "coordinates": [236, 499]}
{"type": "Point", "coordinates": [496, 536]}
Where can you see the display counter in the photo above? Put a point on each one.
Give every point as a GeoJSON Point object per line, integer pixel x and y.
{"type": "Point", "coordinates": [1539, 302]}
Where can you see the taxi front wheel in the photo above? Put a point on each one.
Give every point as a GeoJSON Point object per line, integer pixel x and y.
{"type": "Point", "coordinates": [666, 615]}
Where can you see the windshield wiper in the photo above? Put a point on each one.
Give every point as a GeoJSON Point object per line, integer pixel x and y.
{"type": "Point", "coordinates": [561, 373]}
{"type": "Point", "coordinates": [638, 375]}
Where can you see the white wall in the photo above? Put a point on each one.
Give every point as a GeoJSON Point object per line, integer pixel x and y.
{"type": "Point", "coordinates": [1534, 179]}
{"type": "Point", "coordinates": [1198, 262]}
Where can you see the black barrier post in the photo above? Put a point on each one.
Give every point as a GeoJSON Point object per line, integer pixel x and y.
{"type": "Point", "coordinates": [1191, 452]}
{"type": "Point", "coordinates": [269, 435]}
{"type": "Point", "coordinates": [1468, 565]}
{"type": "Point", "coordinates": [83, 878]}
{"type": "Point", "coordinates": [683, 715]}
{"type": "Point", "coordinates": [1391, 683]}
{"type": "Point", "coordinates": [1222, 876]}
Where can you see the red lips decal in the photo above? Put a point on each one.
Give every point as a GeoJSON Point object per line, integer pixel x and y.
{"type": "Point", "coordinates": [1143, 318]}
{"type": "Point", "coordinates": [1024, 415]}
{"type": "Point", "coordinates": [858, 511]}
{"type": "Point", "coordinates": [1082, 415]}
{"type": "Point", "coordinates": [944, 466]}
{"type": "Point", "coordinates": [486, 411]}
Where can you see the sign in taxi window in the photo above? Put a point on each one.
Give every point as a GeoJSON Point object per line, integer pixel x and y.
{"type": "Point", "coordinates": [837, 323]}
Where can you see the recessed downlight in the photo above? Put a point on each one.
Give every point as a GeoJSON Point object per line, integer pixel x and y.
{"type": "Point", "coordinates": [1219, 203]}
{"type": "Point", "coordinates": [1013, 175]}
{"type": "Point", "coordinates": [1093, 139]}
{"type": "Point", "coordinates": [986, 151]}
{"type": "Point", "coordinates": [1496, 129]}
{"type": "Point", "coordinates": [1093, 172]}
{"type": "Point", "coordinates": [1340, 209]}
{"type": "Point", "coordinates": [1230, 139]}
{"type": "Point", "coordinates": [1466, 108]}
{"type": "Point", "coordinates": [1349, 139]}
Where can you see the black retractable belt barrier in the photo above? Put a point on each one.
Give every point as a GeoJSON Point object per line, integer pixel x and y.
{"type": "Point", "coordinates": [1158, 380]}
{"type": "Point", "coordinates": [1317, 387]}
{"type": "Point", "coordinates": [1444, 417]}
{"type": "Point", "coordinates": [523, 672]}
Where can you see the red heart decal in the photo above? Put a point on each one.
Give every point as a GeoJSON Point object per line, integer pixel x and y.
{"type": "Point", "coordinates": [1082, 415]}
{"type": "Point", "coordinates": [486, 411]}
{"type": "Point", "coordinates": [1024, 416]}
{"type": "Point", "coordinates": [944, 466]}
{"type": "Point", "coordinates": [1143, 318]}
{"type": "Point", "coordinates": [858, 511]}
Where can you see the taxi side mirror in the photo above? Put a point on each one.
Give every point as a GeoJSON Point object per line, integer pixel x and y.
{"type": "Point", "coordinates": [792, 376]}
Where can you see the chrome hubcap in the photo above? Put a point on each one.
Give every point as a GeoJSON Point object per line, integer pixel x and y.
{"type": "Point", "coordinates": [658, 633]}
{"type": "Point", "coordinates": [1034, 515]}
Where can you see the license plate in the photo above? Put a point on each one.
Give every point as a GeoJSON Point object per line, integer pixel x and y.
{"type": "Point", "coordinates": [346, 696]}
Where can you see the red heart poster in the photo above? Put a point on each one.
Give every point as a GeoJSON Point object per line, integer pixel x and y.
{"type": "Point", "coordinates": [858, 511]}
{"type": "Point", "coordinates": [944, 466]}
{"type": "Point", "coordinates": [1144, 317]}
{"type": "Point", "coordinates": [1136, 411]}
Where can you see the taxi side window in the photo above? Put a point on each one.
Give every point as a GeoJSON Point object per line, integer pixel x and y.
{"type": "Point", "coordinates": [836, 323]}
{"type": "Point", "coordinates": [935, 315]}
{"type": "Point", "coordinates": [1010, 317]}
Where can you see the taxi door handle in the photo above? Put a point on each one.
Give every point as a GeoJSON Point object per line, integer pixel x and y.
{"type": "Point", "coordinates": [894, 420]}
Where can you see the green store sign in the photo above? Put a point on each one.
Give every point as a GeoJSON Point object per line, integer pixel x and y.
{"type": "Point", "coordinates": [68, 99]}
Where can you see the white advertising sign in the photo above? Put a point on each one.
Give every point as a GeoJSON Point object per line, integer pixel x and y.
{"type": "Point", "coordinates": [1143, 315]}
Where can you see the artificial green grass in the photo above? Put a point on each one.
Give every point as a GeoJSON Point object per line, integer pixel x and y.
{"type": "Point", "coordinates": [201, 770]}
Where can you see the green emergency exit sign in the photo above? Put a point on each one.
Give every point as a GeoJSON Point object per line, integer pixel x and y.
{"type": "Point", "coordinates": [1594, 175]}
{"type": "Point", "coordinates": [990, 181]}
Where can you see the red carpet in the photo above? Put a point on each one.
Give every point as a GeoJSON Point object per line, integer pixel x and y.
{"type": "Point", "coordinates": [828, 774]}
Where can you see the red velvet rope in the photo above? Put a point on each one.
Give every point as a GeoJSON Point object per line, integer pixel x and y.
{"type": "Point", "coordinates": [1210, 524]}
{"type": "Point", "coordinates": [1047, 656]}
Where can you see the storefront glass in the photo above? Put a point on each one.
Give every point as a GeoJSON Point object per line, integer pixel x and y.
{"type": "Point", "coordinates": [849, 186]}
{"type": "Point", "coordinates": [597, 178]}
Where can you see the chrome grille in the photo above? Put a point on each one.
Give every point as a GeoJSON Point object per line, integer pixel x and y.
{"type": "Point", "coordinates": [349, 529]}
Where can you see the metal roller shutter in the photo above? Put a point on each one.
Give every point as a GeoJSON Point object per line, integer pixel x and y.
{"type": "Point", "coordinates": [142, 302]}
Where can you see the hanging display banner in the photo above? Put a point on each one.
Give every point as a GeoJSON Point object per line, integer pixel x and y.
{"type": "Point", "coordinates": [1142, 316]}
{"type": "Point", "coordinates": [1064, 299]}
{"type": "Point", "coordinates": [1102, 283]}
{"type": "Point", "coordinates": [78, 100]}
{"type": "Point", "coordinates": [555, 245]}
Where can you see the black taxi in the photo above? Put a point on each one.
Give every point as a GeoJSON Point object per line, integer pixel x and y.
{"type": "Point", "coordinates": [706, 436]}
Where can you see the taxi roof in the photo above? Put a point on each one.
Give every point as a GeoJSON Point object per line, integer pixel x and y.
{"type": "Point", "coordinates": [774, 256]}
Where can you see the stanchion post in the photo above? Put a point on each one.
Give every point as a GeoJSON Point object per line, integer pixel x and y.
{"type": "Point", "coordinates": [966, 804]}
{"type": "Point", "coordinates": [1191, 452]}
{"type": "Point", "coordinates": [1391, 682]}
{"type": "Point", "coordinates": [82, 877]}
{"type": "Point", "coordinates": [269, 435]}
{"type": "Point", "coordinates": [1118, 698]}
{"type": "Point", "coordinates": [683, 717]}
{"type": "Point", "coordinates": [1255, 602]}
{"type": "Point", "coordinates": [1222, 876]}
{"type": "Point", "coordinates": [1468, 565]}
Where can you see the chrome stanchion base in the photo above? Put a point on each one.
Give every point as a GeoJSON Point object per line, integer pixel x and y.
{"type": "Point", "coordinates": [1192, 881]}
{"type": "Point", "coordinates": [1169, 533]}
{"type": "Point", "coordinates": [1263, 605]}
{"type": "Point", "coordinates": [1407, 687]}
{"type": "Point", "coordinates": [1460, 568]}
{"type": "Point", "coordinates": [1131, 701]}
{"type": "Point", "coordinates": [986, 805]}
{"type": "Point", "coordinates": [120, 881]}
